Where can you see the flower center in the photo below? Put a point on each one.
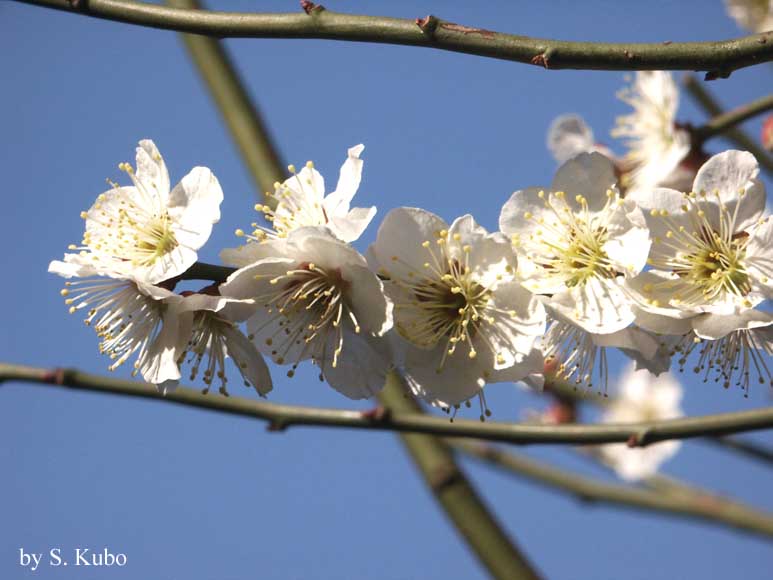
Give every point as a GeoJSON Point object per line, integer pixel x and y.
{"type": "Point", "coordinates": [710, 261]}
{"type": "Point", "coordinates": [569, 245]}
{"type": "Point", "coordinates": [308, 304]}
{"type": "Point", "coordinates": [446, 304]}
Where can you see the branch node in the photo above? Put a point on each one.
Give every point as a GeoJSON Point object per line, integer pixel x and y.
{"type": "Point", "coordinates": [79, 4]}
{"type": "Point", "coordinates": [428, 25]}
{"type": "Point", "coordinates": [639, 439]}
{"type": "Point", "coordinates": [542, 59]}
{"type": "Point", "coordinates": [276, 425]}
{"type": "Point", "coordinates": [378, 414]}
{"type": "Point", "coordinates": [54, 377]}
{"type": "Point", "coordinates": [310, 8]}
{"type": "Point", "coordinates": [713, 75]}
{"type": "Point", "coordinates": [667, 42]}
{"type": "Point", "coordinates": [443, 477]}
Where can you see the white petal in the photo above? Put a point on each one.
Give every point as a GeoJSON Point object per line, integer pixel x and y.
{"type": "Point", "coordinates": [159, 364]}
{"type": "Point", "coordinates": [458, 379]}
{"type": "Point", "coordinates": [194, 205]}
{"type": "Point", "coordinates": [368, 301]}
{"type": "Point", "coordinates": [513, 337]}
{"type": "Point", "coordinates": [151, 170]}
{"type": "Point", "coordinates": [248, 360]}
{"type": "Point", "coordinates": [588, 174]}
{"type": "Point", "coordinates": [337, 203]}
{"type": "Point", "coordinates": [398, 247]}
{"type": "Point", "coordinates": [628, 245]}
{"type": "Point", "coordinates": [598, 306]}
{"type": "Point", "coordinates": [351, 227]}
{"type": "Point", "coordinates": [730, 173]}
{"type": "Point", "coordinates": [361, 369]}
{"type": "Point", "coordinates": [714, 326]}
{"type": "Point", "coordinates": [568, 136]}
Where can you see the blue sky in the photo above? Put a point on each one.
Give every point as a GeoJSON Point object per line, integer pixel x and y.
{"type": "Point", "coordinates": [187, 494]}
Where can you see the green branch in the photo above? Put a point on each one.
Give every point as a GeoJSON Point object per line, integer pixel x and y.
{"type": "Point", "coordinates": [456, 494]}
{"type": "Point", "coordinates": [699, 504]}
{"type": "Point", "coordinates": [721, 123]}
{"type": "Point", "coordinates": [282, 417]}
{"type": "Point", "coordinates": [709, 104]}
{"type": "Point", "coordinates": [718, 58]}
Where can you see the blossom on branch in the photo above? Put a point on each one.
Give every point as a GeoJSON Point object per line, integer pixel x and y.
{"type": "Point", "coordinates": [300, 201]}
{"type": "Point", "coordinates": [657, 146]}
{"type": "Point", "coordinates": [642, 398]}
{"type": "Point", "coordinates": [210, 334]}
{"type": "Point", "coordinates": [316, 299]}
{"type": "Point", "coordinates": [128, 316]}
{"type": "Point", "coordinates": [145, 230]}
{"type": "Point", "coordinates": [464, 317]}
{"type": "Point", "coordinates": [711, 248]}
{"type": "Point", "coordinates": [578, 243]}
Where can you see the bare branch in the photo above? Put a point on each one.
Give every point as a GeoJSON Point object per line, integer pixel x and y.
{"type": "Point", "coordinates": [718, 58]}
{"type": "Point", "coordinates": [281, 417]}
{"type": "Point", "coordinates": [709, 104]}
{"type": "Point", "coordinates": [721, 123]}
{"type": "Point", "coordinates": [699, 504]}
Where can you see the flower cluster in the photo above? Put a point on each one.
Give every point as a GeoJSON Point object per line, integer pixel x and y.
{"type": "Point", "coordinates": [579, 266]}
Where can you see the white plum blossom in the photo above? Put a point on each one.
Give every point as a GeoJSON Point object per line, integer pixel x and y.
{"type": "Point", "coordinates": [316, 299]}
{"type": "Point", "coordinates": [711, 248]}
{"type": "Point", "coordinates": [643, 398]}
{"type": "Point", "coordinates": [578, 242]}
{"type": "Point", "coordinates": [730, 350]}
{"type": "Point", "coordinates": [300, 201]}
{"type": "Point", "coordinates": [656, 145]}
{"type": "Point", "coordinates": [574, 354]}
{"type": "Point", "coordinates": [128, 316]}
{"type": "Point", "coordinates": [145, 230]}
{"type": "Point", "coordinates": [753, 15]}
{"type": "Point", "coordinates": [209, 334]}
{"type": "Point", "coordinates": [457, 303]}
{"type": "Point", "coordinates": [569, 135]}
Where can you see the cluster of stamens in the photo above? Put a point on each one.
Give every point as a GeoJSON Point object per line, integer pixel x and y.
{"type": "Point", "coordinates": [569, 244]}
{"type": "Point", "coordinates": [575, 355]}
{"type": "Point", "coordinates": [137, 230]}
{"type": "Point", "coordinates": [125, 320]}
{"type": "Point", "coordinates": [209, 339]}
{"type": "Point", "coordinates": [447, 304]}
{"type": "Point", "coordinates": [731, 360]}
{"type": "Point", "coordinates": [308, 304]}
{"type": "Point", "coordinates": [292, 210]}
{"type": "Point", "coordinates": [711, 262]}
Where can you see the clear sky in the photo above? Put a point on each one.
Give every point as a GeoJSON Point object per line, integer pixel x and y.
{"type": "Point", "coordinates": [192, 495]}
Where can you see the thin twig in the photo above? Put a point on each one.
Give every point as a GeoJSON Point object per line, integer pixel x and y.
{"type": "Point", "coordinates": [456, 494]}
{"type": "Point", "coordinates": [721, 123]}
{"type": "Point", "coordinates": [718, 58]}
{"type": "Point", "coordinates": [284, 416]}
{"type": "Point", "coordinates": [709, 104]}
{"type": "Point", "coordinates": [570, 393]}
{"type": "Point", "coordinates": [699, 504]}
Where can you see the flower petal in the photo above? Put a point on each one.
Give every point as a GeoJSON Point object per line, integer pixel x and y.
{"type": "Point", "coordinates": [568, 136]}
{"type": "Point", "coordinates": [589, 175]}
{"type": "Point", "coordinates": [402, 234]}
{"type": "Point", "coordinates": [194, 205]}
{"type": "Point", "coordinates": [152, 173]}
{"type": "Point", "coordinates": [337, 202]}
